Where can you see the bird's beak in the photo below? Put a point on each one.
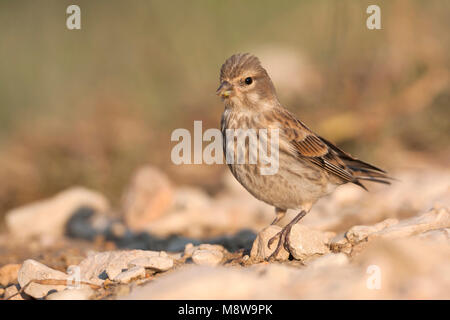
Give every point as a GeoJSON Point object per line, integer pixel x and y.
{"type": "Point", "coordinates": [224, 89]}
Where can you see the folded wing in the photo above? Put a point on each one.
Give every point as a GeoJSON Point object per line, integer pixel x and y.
{"type": "Point", "coordinates": [321, 152]}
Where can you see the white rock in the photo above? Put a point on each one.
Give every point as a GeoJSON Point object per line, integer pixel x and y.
{"type": "Point", "coordinates": [8, 274]}
{"type": "Point", "coordinates": [305, 242]}
{"type": "Point", "coordinates": [358, 233]}
{"type": "Point", "coordinates": [11, 293]}
{"type": "Point", "coordinates": [329, 260]}
{"type": "Point", "coordinates": [185, 216]}
{"type": "Point", "coordinates": [436, 218]}
{"type": "Point", "coordinates": [189, 249]}
{"type": "Point", "coordinates": [148, 197]}
{"type": "Point", "coordinates": [98, 266]}
{"type": "Point", "coordinates": [130, 274]}
{"type": "Point", "coordinates": [72, 294]}
{"type": "Point", "coordinates": [48, 217]}
{"type": "Point", "coordinates": [156, 263]}
{"type": "Point", "coordinates": [113, 270]}
{"type": "Point", "coordinates": [340, 243]}
{"type": "Point", "coordinates": [207, 257]}
{"type": "Point", "coordinates": [442, 235]}
{"type": "Point", "coordinates": [33, 270]}
{"type": "Point", "coordinates": [202, 282]}
{"type": "Point", "coordinates": [214, 247]}
{"type": "Point", "coordinates": [260, 250]}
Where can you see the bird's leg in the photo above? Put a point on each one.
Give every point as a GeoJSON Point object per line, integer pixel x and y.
{"type": "Point", "coordinates": [284, 235]}
{"type": "Point", "coordinates": [280, 213]}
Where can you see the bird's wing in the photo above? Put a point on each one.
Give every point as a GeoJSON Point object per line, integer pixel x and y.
{"type": "Point", "coordinates": [305, 144]}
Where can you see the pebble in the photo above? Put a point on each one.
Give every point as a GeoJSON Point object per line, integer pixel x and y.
{"type": "Point", "coordinates": [260, 250]}
{"type": "Point", "coordinates": [436, 218]}
{"type": "Point", "coordinates": [357, 234]}
{"type": "Point", "coordinates": [48, 217]}
{"type": "Point", "coordinates": [204, 282]}
{"type": "Point", "coordinates": [148, 196]}
{"type": "Point", "coordinates": [329, 260]}
{"type": "Point", "coordinates": [109, 264]}
{"type": "Point", "coordinates": [33, 270]}
{"type": "Point", "coordinates": [207, 257]}
{"type": "Point", "coordinates": [130, 274]}
{"type": "Point", "coordinates": [442, 235]}
{"type": "Point", "coordinates": [10, 291]}
{"type": "Point", "coordinates": [305, 242]}
{"type": "Point", "coordinates": [72, 294]}
{"type": "Point", "coordinates": [189, 249]}
{"type": "Point", "coordinates": [160, 264]}
{"type": "Point", "coordinates": [8, 274]}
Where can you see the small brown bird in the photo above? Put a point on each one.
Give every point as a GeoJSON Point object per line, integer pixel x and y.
{"type": "Point", "coordinates": [309, 166]}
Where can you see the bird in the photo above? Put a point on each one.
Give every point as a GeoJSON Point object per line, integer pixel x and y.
{"type": "Point", "coordinates": [309, 166]}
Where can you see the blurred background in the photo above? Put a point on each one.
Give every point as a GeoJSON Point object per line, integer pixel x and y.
{"type": "Point", "coordinates": [87, 107]}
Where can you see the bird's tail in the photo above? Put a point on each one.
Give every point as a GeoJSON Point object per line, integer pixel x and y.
{"type": "Point", "coordinates": [360, 170]}
{"type": "Point", "coordinates": [366, 172]}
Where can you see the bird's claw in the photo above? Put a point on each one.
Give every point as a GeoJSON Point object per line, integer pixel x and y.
{"type": "Point", "coordinates": [271, 240]}
{"type": "Point", "coordinates": [281, 242]}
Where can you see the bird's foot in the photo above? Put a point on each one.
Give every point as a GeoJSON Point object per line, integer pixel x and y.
{"type": "Point", "coordinates": [283, 236]}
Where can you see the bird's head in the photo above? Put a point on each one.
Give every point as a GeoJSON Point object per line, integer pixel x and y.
{"type": "Point", "coordinates": [245, 83]}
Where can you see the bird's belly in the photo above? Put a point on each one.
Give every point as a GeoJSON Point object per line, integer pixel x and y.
{"type": "Point", "coordinates": [296, 185]}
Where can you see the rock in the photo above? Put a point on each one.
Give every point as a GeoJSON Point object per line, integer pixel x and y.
{"type": "Point", "coordinates": [48, 217]}
{"type": "Point", "coordinates": [276, 273]}
{"type": "Point", "coordinates": [189, 249]}
{"type": "Point", "coordinates": [433, 219]}
{"type": "Point", "coordinates": [118, 230]}
{"type": "Point", "coordinates": [207, 257]}
{"type": "Point", "coordinates": [357, 234]}
{"type": "Point", "coordinates": [202, 282]}
{"type": "Point", "coordinates": [305, 242]}
{"type": "Point", "coordinates": [437, 218]}
{"type": "Point", "coordinates": [72, 294]}
{"type": "Point", "coordinates": [329, 260]}
{"type": "Point", "coordinates": [418, 191]}
{"type": "Point", "coordinates": [211, 247]}
{"type": "Point", "coordinates": [123, 290]}
{"type": "Point", "coordinates": [148, 197]}
{"type": "Point", "coordinates": [340, 244]}
{"type": "Point", "coordinates": [189, 198]}
{"type": "Point", "coordinates": [33, 270]}
{"type": "Point", "coordinates": [160, 264]}
{"type": "Point", "coordinates": [12, 293]}
{"type": "Point", "coordinates": [130, 274]}
{"type": "Point", "coordinates": [157, 263]}
{"type": "Point", "coordinates": [187, 215]}
{"type": "Point", "coordinates": [8, 274]}
{"type": "Point", "coordinates": [260, 250]}
{"type": "Point", "coordinates": [175, 255]}
{"type": "Point", "coordinates": [99, 266]}
{"type": "Point", "coordinates": [410, 268]}
{"type": "Point", "coordinates": [442, 235]}
{"type": "Point", "coordinates": [113, 270]}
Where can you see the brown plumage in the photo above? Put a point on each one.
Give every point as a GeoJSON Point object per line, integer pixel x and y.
{"type": "Point", "coordinates": [309, 165]}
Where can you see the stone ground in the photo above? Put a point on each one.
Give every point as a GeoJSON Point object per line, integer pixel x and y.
{"type": "Point", "coordinates": [167, 242]}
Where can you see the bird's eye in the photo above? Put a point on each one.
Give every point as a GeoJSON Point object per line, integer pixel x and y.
{"type": "Point", "coordinates": [248, 80]}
